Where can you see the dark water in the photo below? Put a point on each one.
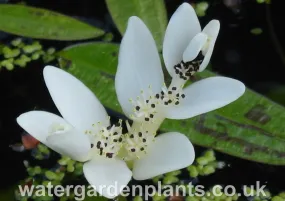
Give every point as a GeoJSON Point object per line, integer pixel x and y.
{"type": "Point", "coordinates": [238, 54]}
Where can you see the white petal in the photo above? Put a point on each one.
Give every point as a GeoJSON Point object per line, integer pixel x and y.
{"type": "Point", "coordinates": [139, 64]}
{"type": "Point", "coordinates": [170, 151]}
{"type": "Point", "coordinates": [107, 176]}
{"type": "Point", "coordinates": [207, 57]}
{"type": "Point", "coordinates": [38, 123]}
{"type": "Point", "coordinates": [207, 95]}
{"type": "Point", "coordinates": [70, 143]}
{"type": "Point", "coordinates": [182, 27]}
{"type": "Point", "coordinates": [212, 30]}
{"type": "Point", "coordinates": [76, 103]}
{"type": "Point", "coordinates": [194, 47]}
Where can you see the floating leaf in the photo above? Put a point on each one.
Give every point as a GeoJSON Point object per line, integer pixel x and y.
{"type": "Point", "coordinates": [153, 13]}
{"type": "Point", "coordinates": [43, 24]}
{"type": "Point", "coordinates": [251, 127]}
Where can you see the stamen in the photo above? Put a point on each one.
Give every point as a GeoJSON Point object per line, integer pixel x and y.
{"type": "Point", "coordinates": [136, 142]}
{"type": "Point", "coordinates": [145, 105]}
{"type": "Point", "coordinates": [107, 139]}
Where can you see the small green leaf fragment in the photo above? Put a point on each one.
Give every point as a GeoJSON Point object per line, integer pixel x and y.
{"type": "Point", "coordinates": [256, 31]}
{"type": "Point", "coordinates": [37, 170]}
{"type": "Point", "coordinates": [277, 198]}
{"type": "Point", "coordinates": [260, 1]}
{"type": "Point", "coordinates": [201, 8]}
{"type": "Point", "coordinates": [173, 173]}
{"type": "Point", "coordinates": [16, 42]}
{"type": "Point", "coordinates": [210, 155]}
{"type": "Point", "coordinates": [193, 171]}
{"type": "Point", "coordinates": [208, 169]}
{"type": "Point", "coordinates": [137, 198]}
{"type": "Point", "coordinates": [157, 179]}
{"type": "Point", "coordinates": [192, 198]}
{"type": "Point", "coordinates": [202, 160]}
{"type": "Point", "coordinates": [70, 167]}
{"type": "Point", "coordinates": [169, 180]}
{"type": "Point", "coordinates": [282, 194]}
{"type": "Point", "coordinates": [158, 197]}
{"type": "Point", "coordinates": [64, 160]}
{"type": "Point", "coordinates": [50, 175]}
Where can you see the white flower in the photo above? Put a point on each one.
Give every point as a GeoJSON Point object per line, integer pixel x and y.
{"type": "Point", "coordinates": [140, 84]}
{"type": "Point", "coordinates": [151, 156]}
{"type": "Point", "coordinates": [184, 40]}
{"type": "Point", "coordinates": [79, 134]}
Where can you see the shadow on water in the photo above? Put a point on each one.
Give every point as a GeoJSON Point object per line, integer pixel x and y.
{"type": "Point", "coordinates": [238, 53]}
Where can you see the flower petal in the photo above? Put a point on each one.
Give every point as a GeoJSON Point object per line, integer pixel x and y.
{"type": "Point", "coordinates": [206, 95]}
{"type": "Point", "coordinates": [38, 123]}
{"type": "Point", "coordinates": [212, 30]}
{"type": "Point", "coordinates": [107, 176]}
{"type": "Point", "coordinates": [182, 27]}
{"type": "Point", "coordinates": [76, 103]}
{"type": "Point", "coordinates": [207, 57]}
{"type": "Point", "coordinates": [139, 64]}
{"type": "Point", "coordinates": [194, 47]}
{"type": "Point", "coordinates": [170, 151]}
{"type": "Point", "coordinates": [70, 143]}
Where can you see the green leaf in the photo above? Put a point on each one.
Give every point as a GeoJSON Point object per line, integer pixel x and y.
{"type": "Point", "coordinates": [43, 24]}
{"type": "Point", "coordinates": [251, 127]}
{"type": "Point", "coordinates": [152, 12]}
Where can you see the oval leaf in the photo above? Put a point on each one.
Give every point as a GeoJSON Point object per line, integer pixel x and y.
{"type": "Point", "coordinates": [43, 24]}
{"type": "Point", "coordinates": [153, 13]}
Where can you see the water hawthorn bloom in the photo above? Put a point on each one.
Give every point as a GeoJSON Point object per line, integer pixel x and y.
{"type": "Point", "coordinates": [84, 133]}
{"type": "Point", "coordinates": [139, 81]}
{"type": "Point", "coordinates": [186, 48]}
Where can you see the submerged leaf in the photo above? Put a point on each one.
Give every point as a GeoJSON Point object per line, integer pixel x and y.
{"type": "Point", "coordinates": [43, 24]}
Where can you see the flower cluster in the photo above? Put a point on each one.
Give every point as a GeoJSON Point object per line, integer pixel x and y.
{"type": "Point", "coordinates": [84, 132]}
